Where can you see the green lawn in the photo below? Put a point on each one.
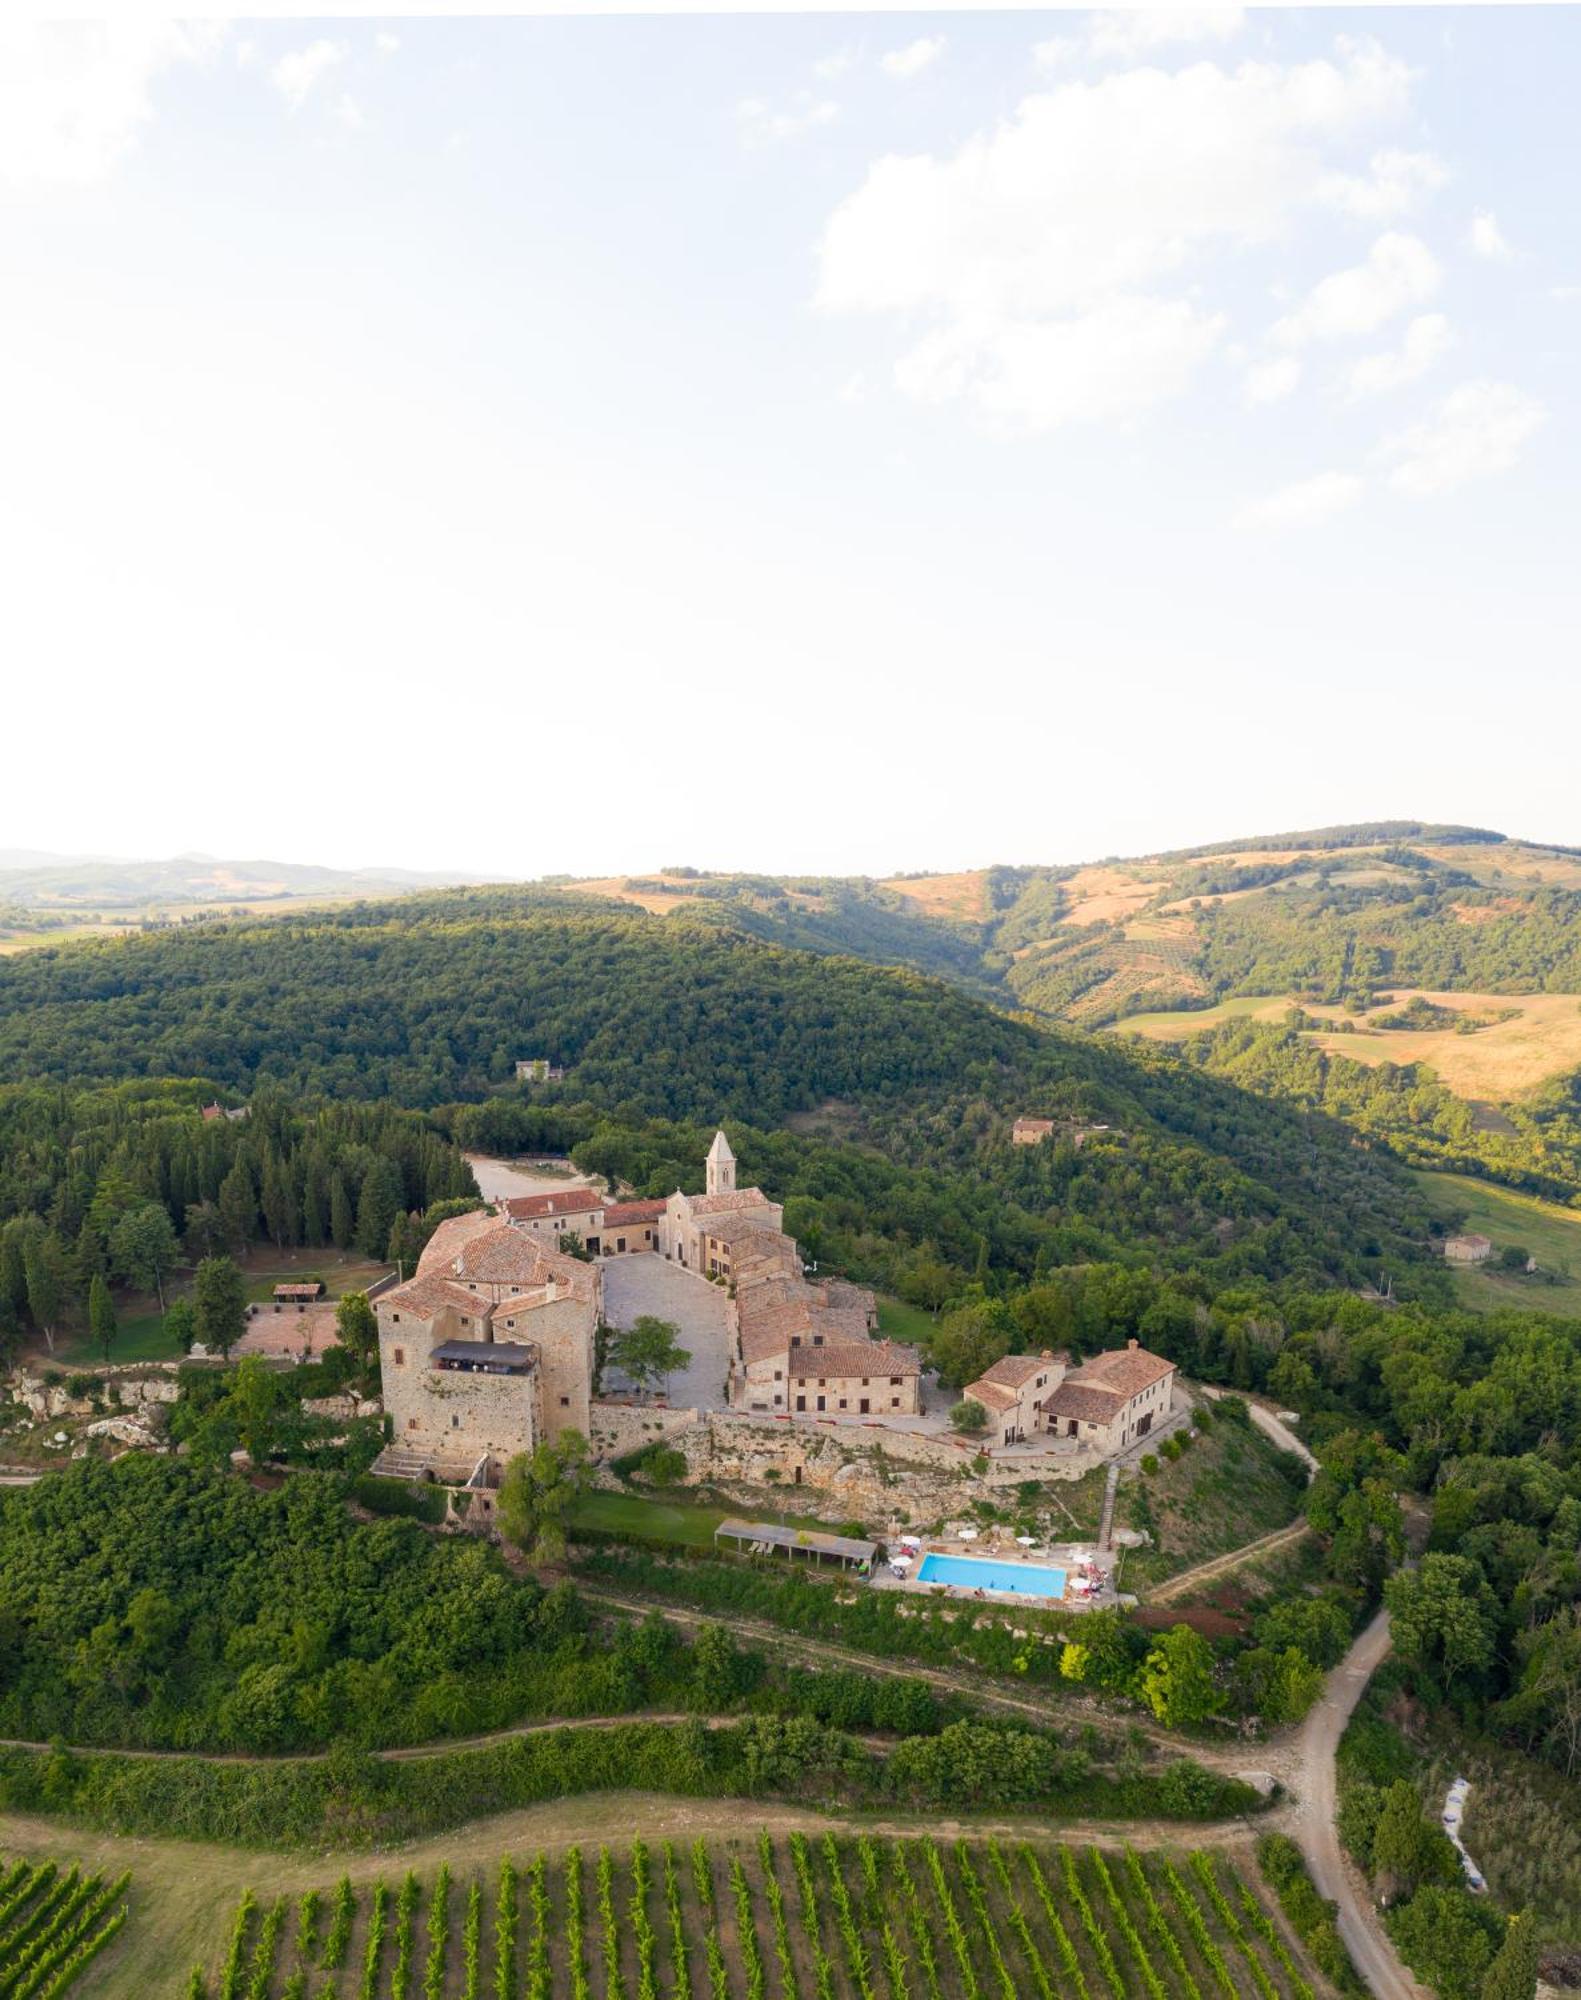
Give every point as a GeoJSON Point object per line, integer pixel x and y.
{"type": "Point", "coordinates": [640, 1520]}
{"type": "Point", "coordinates": [898, 1321]}
{"type": "Point", "coordinates": [1550, 1232]}
{"type": "Point", "coordinates": [141, 1338]}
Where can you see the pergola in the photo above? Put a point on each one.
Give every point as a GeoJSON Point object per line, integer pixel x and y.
{"type": "Point", "coordinates": [763, 1538]}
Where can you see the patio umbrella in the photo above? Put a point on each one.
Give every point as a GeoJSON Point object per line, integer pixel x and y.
{"type": "Point", "coordinates": [966, 1534]}
{"type": "Point", "coordinates": [901, 1562]}
{"type": "Point", "coordinates": [910, 1541]}
{"type": "Point", "coordinates": [1026, 1541]}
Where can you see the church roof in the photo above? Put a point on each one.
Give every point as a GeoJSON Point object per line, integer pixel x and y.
{"type": "Point", "coordinates": [729, 1203]}
{"type": "Point", "coordinates": [720, 1149]}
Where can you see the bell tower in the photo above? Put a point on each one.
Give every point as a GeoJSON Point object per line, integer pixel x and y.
{"type": "Point", "coordinates": [721, 1166]}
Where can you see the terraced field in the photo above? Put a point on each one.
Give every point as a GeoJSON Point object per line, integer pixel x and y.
{"type": "Point", "coordinates": [794, 1919]}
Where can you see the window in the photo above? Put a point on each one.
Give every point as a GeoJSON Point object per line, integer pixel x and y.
{"type": "Point", "coordinates": [395, 1316]}
{"type": "Point", "coordinates": [400, 1357]}
{"type": "Point", "coordinates": [864, 1382]}
{"type": "Point", "coordinates": [894, 1402]}
{"type": "Point", "coordinates": [894, 1381]}
{"type": "Point", "coordinates": [411, 1423]}
{"type": "Point", "coordinates": [817, 1340]}
{"type": "Point", "coordinates": [455, 1423]}
{"type": "Point", "coordinates": [620, 1242]}
{"type": "Point", "coordinates": [565, 1402]}
{"type": "Point", "coordinates": [778, 1375]}
{"type": "Point", "coordinates": [823, 1382]}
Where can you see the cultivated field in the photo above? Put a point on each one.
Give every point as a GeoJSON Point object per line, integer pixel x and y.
{"type": "Point", "coordinates": [956, 896]}
{"type": "Point", "coordinates": [1495, 1064]}
{"type": "Point", "coordinates": [54, 1922]}
{"type": "Point", "coordinates": [821, 1918]}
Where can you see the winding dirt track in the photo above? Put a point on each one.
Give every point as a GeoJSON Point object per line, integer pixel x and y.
{"type": "Point", "coordinates": [1314, 1829]}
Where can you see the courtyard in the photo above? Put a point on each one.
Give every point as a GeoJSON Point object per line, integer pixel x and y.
{"type": "Point", "coordinates": [636, 1285]}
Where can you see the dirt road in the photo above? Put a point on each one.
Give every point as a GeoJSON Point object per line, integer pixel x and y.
{"type": "Point", "coordinates": [1313, 1824]}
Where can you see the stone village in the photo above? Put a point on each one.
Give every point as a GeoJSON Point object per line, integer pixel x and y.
{"type": "Point", "coordinates": [490, 1348]}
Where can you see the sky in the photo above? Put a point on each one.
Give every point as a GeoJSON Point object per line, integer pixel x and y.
{"type": "Point", "coordinates": [797, 443]}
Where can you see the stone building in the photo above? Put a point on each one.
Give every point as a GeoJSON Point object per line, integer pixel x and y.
{"type": "Point", "coordinates": [1468, 1249]}
{"type": "Point", "coordinates": [1113, 1399]}
{"type": "Point", "coordinates": [485, 1351]}
{"type": "Point", "coordinates": [1015, 1392]}
{"type": "Point", "coordinates": [1105, 1404]}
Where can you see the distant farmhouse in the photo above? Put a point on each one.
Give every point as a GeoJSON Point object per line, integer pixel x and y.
{"type": "Point", "coordinates": [1469, 1249]}
{"type": "Point", "coordinates": [537, 1069]}
{"type": "Point", "coordinates": [1033, 1131]}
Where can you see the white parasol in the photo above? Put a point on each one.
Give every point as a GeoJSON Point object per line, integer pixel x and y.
{"type": "Point", "coordinates": [966, 1534]}
{"type": "Point", "coordinates": [1026, 1541]}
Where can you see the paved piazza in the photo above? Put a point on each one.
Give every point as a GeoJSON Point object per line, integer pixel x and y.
{"type": "Point", "coordinates": [639, 1284]}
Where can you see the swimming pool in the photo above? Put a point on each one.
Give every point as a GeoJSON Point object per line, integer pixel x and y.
{"type": "Point", "coordinates": [976, 1573]}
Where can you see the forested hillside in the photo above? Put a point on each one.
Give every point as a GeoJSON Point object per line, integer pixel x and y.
{"type": "Point", "coordinates": [426, 1004]}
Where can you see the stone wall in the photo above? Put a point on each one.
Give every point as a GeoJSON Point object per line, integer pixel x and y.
{"type": "Point", "coordinates": [870, 1473]}
{"type": "Point", "coordinates": [617, 1428]}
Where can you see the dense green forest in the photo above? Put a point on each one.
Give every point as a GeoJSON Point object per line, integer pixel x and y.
{"type": "Point", "coordinates": [428, 1003]}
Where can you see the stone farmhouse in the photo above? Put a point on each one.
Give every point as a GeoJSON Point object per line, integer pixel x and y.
{"type": "Point", "coordinates": [1471, 1248]}
{"type": "Point", "coordinates": [1107, 1403]}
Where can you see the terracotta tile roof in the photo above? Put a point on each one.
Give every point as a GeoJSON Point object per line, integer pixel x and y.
{"type": "Point", "coordinates": [520, 1302]}
{"type": "Point", "coordinates": [853, 1358]}
{"type": "Point", "coordinates": [563, 1201]}
{"type": "Point", "coordinates": [1040, 1126]}
{"type": "Point", "coordinates": [727, 1204]}
{"type": "Point", "coordinates": [737, 1228]}
{"type": "Point", "coordinates": [447, 1239]}
{"type": "Point", "coordinates": [618, 1213]}
{"type": "Point", "coordinates": [427, 1295]}
{"type": "Point", "coordinates": [1087, 1400]}
{"type": "Point", "coordinates": [992, 1395]}
{"type": "Point", "coordinates": [1015, 1371]}
{"type": "Point", "coordinates": [1128, 1369]}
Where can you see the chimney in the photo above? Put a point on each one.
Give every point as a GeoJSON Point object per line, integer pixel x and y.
{"type": "Point", "coordinates": [1131, 1342]}
{"type": "Point", "coordinates": [1047, 1354]}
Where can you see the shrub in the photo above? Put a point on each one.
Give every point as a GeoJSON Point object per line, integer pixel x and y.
{"type": "Point", "coordinates": [403, 1498]}
{"type": "Point", "coordinates": [1149, 1463]}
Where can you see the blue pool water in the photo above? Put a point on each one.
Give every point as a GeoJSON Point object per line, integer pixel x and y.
{"type": "Point", "coordinates": [977, 1573]}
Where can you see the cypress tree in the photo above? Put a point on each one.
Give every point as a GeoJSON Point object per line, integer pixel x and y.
{"type": "Point", "coordinates": [377, 1207]}
{"type": "Point", "coordinates": [342, 1219]}
{"type": "Point", "coordinates": [101, 1315]}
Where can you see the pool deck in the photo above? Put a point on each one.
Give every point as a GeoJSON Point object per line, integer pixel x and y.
{"type": "Point", "coordinates": [1074, 1558]}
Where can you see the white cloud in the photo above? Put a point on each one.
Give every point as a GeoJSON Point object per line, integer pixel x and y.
{"type": "Point", "coordinates": [1477, 430]}
{"type": "Point", "coordinates": [1085, 205]}
{"type": "Point", "coordinates": [914, 58]}
{"type": "Point", "coordinates": [1486, 238]}
{"type": "Point", "coordinates": [1272, 381]}
{"type": "Point", "coordinates": [836, 63]}
{"type": "Point", "coordinates": [1110, 364]}
{"type": "Point", "coordinates": [299, 72]}
{"type": "Point", "coordinates": [1394, 184]}
{"type": "Point", "coordinates": [348, 112]}
{"type": "Point", "coordinates": [1127, 33]}
{"type": "Point", "coordinates": [1305, 503]}
{"type": "Point", "coordinates": [386, 43]}
{"type": "Point", "coordinates": [74, 95]}
{"type": "Point", "coordinates": [1426, 340]}
{"type": "Point", "coordinates": [1400, 271]}
{"type": "Point", "coordinates": [762, 123]}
